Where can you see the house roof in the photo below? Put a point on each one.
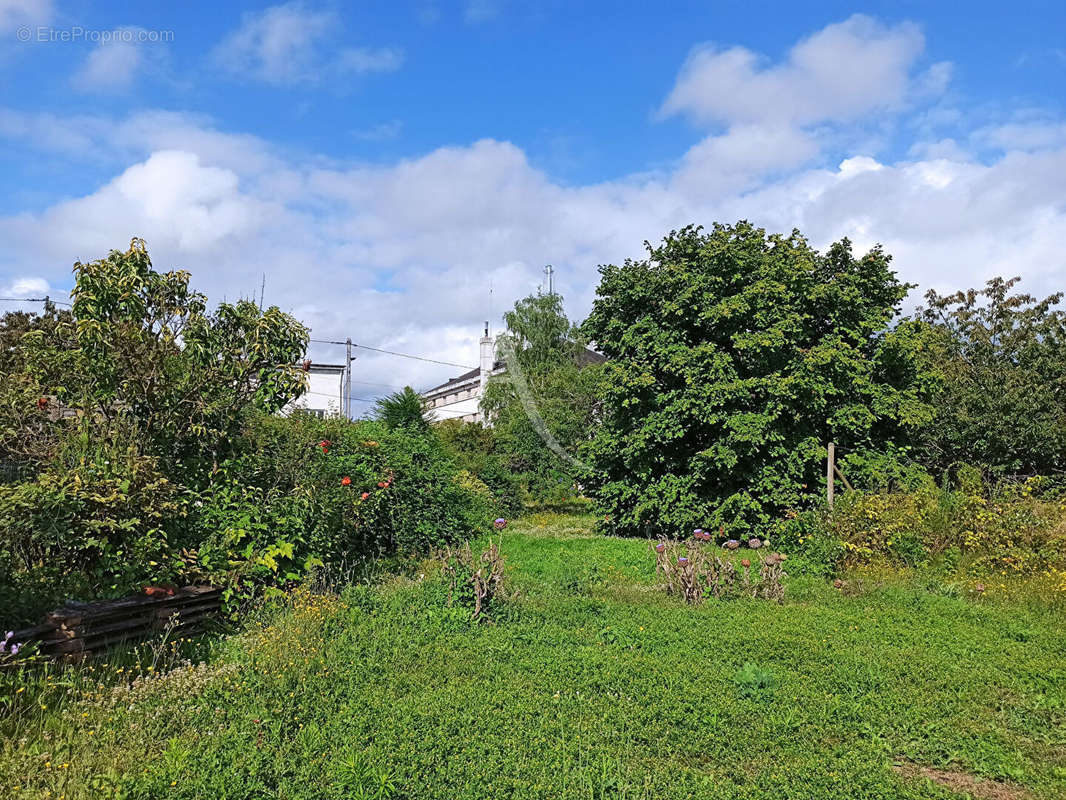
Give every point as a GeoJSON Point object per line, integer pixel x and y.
{"type": "Point", "coordinates": [584, 358]}
{"type": "Point", "coordinates": [326, 369]}
{"type": "Point", "coordinates": [466, 377]}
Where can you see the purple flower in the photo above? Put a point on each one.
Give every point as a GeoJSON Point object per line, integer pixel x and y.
{"type": "Point", "coordinates": [500, 524]}
{"type": "Point", "coordinates": [14, 649]}
{"type": "Point", "coordinates": [732, 544]}
{"type": "Point", "coordinates": [698, 532]}
{"type": "Point", "coordinates": [754, 543]}
{"type": "Point", "coordinates": [682, 560]}
{"type": "Point", "coordinates": [660, 547]}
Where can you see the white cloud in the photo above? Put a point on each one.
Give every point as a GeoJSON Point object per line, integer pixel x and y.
{"type": "Point", "coordinates": [736, 159]}
{"type": "Point", "coordinates": [1022, 135]}
{"type": "Point", "coordinates": [844, 70]}
{"type": "Point", "coordinates": [116, 62]}
{"type": "Point", "coordinates": [25, 287]}
{"type": "Point", "coordinates": [110, 66]}
{"type": "Point", "coordinates": [284, 45]}
{"type": "Point", "coordinates": [171, 197]}
{"type": "Point", "coordinates": [14, 13]}
{"type": "Point", "coordinates": [402, 255]}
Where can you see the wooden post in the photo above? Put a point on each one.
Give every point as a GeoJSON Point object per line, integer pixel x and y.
{"type": "Point", "coordinates": [829, 469]}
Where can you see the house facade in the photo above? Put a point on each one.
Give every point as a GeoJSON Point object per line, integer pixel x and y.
{"type": "Point", "coordinates": [325, 392]}
{"type": "Point", "coordinates": [460, 397]}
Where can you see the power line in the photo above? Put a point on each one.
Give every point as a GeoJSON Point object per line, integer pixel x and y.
{"type": "Point", "coordinates": [33, 300]}
{"type": "Point", "coordinates": [394, 353]}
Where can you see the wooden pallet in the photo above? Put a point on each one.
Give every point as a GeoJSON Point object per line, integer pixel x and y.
{"type": "Point", "coordinates": [77, 630]}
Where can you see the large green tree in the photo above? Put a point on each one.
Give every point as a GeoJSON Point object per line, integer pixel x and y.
{"type": "Point", "coordinates": [733, 358]}
{"type": "Point", "coordinates": [154, 357]}
{"type": "Point", "coordinates": [117, 414]}
{"type": "Point", "coordinates": [1001, 360]}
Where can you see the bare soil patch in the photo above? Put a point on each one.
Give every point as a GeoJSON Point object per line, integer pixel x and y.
{"type": "Point", "coordinates": [964, 783]}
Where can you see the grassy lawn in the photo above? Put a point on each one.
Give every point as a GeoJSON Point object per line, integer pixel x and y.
{"type": "Point", "coordinates": [590, 684]}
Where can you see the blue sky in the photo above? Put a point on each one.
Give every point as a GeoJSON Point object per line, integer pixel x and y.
{"type": "Point", "coordinates": [384, 164]}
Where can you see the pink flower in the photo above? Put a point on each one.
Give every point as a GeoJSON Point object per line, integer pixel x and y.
{"type": "Point", "coordinates": [364, 495]}
{"type": "Point", "coordinates": [346, 481]}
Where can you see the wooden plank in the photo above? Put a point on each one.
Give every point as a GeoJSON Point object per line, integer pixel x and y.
{"type": "Point", "coordinates": [77, 629]}
{"type": "Point", "coordinates": [841, 476]}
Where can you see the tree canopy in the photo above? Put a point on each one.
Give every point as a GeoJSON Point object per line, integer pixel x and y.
{"type": "Point", "coordinates": [733, 358]}
{"type": "Point", "coordinates": [402, 409]}
{"type": "Point", "coordinates": [1000, 360]}
{"type": "Point", "coordinates": [542, 348]}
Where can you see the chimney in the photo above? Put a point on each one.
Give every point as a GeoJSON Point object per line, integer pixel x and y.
{"type": "Point", "coordinates": [488, 358]}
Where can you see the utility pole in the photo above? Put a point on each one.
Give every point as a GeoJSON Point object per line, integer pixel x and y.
{"type": "Point", "coordinates": [550, 272]}
{"type": "Point", "coordinates": [348, 379]}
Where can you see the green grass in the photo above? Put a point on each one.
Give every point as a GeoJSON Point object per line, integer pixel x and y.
{"type": "Point", "coordinates": [590, 684]}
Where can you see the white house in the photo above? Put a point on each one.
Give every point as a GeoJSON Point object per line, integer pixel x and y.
{"type": "Point", "coordinates": [325, 390]}
{"type": "Point", "coordinates": [460, 397]}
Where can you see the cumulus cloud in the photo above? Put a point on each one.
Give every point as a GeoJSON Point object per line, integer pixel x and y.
{"type": "Point", "coordinates": [844, 70]}
{"type": "Point", "coordinates": [403, 255]}
{"type": "Point", "coordinates": [284, 44]}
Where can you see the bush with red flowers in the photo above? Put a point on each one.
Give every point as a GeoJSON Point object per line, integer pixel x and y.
{"type": "Point", "coordinates": [371, 491]}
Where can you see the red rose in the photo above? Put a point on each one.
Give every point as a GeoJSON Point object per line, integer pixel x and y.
{"type": "Point", "coordinates": [346, 481]}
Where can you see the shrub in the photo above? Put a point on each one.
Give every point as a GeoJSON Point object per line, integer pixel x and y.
{"type": "Point", "coordinates": [98, 529]}
{"type": "Point", "coordinates": [693, 573]}
{"type": "Point", "coordinates": [474, 448]}
{"type": "Point", "coordinates": [813, 548]}
{"type": "Point", "coordinates": [474, 581]}
{"type": "Point", "coordinates": [309, 491]}
{"type": "Point", "coordinates": [1009, 529]}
